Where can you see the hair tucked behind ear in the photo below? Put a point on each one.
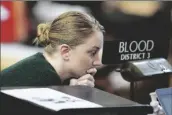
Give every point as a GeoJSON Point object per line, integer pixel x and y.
{"type": "Point", "coordinates": [43, 34]}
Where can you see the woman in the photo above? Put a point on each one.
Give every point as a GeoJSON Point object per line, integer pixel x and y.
{"type": "Point", "coordinates": [73, 45]}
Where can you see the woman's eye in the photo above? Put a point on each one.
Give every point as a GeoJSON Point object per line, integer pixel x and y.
{"type": "Point", "coordinates": [93, 53]}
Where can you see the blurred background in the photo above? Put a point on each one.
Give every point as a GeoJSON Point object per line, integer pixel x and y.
{"type": "Point", "coordinates": [121, 19]}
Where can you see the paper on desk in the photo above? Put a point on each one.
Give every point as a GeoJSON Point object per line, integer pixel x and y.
{"type": "Point", "coordinates": [50, 98]}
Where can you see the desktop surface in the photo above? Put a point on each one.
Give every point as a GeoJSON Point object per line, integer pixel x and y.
{"type": "Point", "coordinates": [112, 104]}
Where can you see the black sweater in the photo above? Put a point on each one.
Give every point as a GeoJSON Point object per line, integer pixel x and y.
{"type": "Point", "coordinates": [32, 71]}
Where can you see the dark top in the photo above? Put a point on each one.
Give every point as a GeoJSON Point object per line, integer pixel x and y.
{"type": "Point", "coordinates": [32, 71]}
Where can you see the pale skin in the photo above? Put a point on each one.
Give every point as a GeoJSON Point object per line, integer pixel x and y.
{"type": "Point", "coordinates": [79, 63]}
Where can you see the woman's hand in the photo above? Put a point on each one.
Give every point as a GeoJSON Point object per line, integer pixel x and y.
{"type": "Point", "coordinates": [87, 79]}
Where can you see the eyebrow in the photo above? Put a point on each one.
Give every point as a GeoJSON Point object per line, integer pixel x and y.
{"type": "Point", "coordinates": [96, 47]}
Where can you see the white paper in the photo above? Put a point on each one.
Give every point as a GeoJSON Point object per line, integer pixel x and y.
{"type": "Point", "coordinates": [50, 98]}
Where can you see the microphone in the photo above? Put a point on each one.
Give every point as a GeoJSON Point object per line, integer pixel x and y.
{"type": "Point", "coordinates": [145, 69]}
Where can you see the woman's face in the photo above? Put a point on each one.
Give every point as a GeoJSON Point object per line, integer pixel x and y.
{"type": "Point", "coordinates": [87, 55]}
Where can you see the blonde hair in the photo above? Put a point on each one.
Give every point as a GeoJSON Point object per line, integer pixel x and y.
{"type": "Point", "coordinates": [69, 28]}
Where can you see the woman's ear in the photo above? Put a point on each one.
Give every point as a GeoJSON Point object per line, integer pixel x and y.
{"type": "Point", "coordinates": [65, 51]}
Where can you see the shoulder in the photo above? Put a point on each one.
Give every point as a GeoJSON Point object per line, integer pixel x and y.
{"type": "Point", "coordinates": [25, 63]}
{"type": "Point", "coordinates": [34, 70]}
{"type": "Point", "coordinates": [22, 70]}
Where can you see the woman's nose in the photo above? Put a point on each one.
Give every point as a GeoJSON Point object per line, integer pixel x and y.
{"type": "Point", "coordinates": [97, 63]}
{"type": "Point", "coordinates": [98, 60]}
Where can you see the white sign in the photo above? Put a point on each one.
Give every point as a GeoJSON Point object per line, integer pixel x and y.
{"type": "Point", "coordinates": [50, 98]}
